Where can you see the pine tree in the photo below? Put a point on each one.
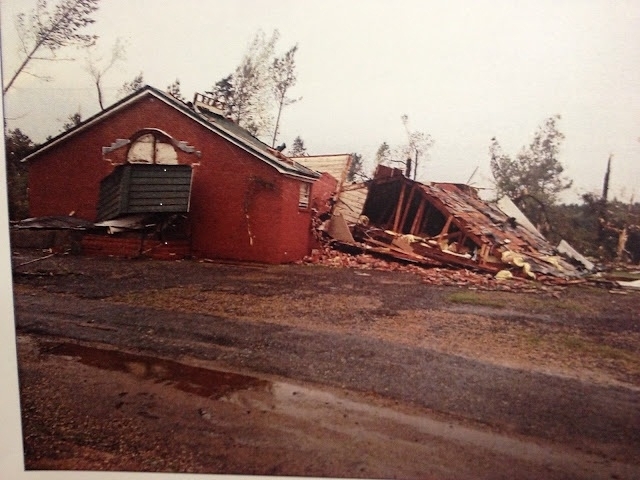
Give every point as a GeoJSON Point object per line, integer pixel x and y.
{"type": "Point", "coordinates": [17, 146]}
{"type": "Point", "coordinates": [174, 91]}
{"type": "Point", "coordinates": [298, 149]}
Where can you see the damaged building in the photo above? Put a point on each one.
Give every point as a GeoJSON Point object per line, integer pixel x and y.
{"type": "Point", "coordinates": [152, 173]}
{"type": "Point", "coordinates": [439, 224]}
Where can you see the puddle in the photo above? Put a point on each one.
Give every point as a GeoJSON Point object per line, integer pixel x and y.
{"type": "Point", "coordinates": [196, 380]}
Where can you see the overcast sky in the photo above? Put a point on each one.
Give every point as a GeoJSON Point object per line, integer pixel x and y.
{"type": "Point", "coordinates": [463, 72]}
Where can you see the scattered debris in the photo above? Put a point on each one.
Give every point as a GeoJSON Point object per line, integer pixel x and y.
{"type": "Point", "coordinates": [634, 284]}
{"type": "Point", "coordinates": [52, 223]}
{"type": "Point", "coordinates": [443, 225]}
{"type": "Point", "coordinates": [446, 234]}
{"type": "Point", "coordinates": [331, 256]}
{"type": "Point", "coordinates": [567, 250]}
{"type": "Point", "coordinates": [35, 260]}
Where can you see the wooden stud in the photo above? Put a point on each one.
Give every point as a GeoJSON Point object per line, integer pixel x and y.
{"type": "Point", "coordinates": [445, 229]}
{"type": "Point", "coordinates": [407, 208]}
{"type": "Point", "coordinates": [417, 220]}
{"type": "Point", "coordinates": [396, 220]}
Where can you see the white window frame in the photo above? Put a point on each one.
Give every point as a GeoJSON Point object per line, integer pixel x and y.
{"type": "Point", "coordinates": [305, 195]}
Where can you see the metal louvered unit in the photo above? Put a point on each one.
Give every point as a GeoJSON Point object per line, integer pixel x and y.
{"type": "Point", "coordinates": [137, 188]}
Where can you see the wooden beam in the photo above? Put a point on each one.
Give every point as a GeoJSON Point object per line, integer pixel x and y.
{"type": "Point", "coordinates": [407, 208]}
{"type": "Point", "coordinates": [445, 229]}
{"type": "Point", "coordinates": [417, 220]}
{"type": "Point", "coordinates": [396, 220]}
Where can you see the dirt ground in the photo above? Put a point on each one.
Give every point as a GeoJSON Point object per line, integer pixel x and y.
{"type": "Point", "coordinates": [313, 371]}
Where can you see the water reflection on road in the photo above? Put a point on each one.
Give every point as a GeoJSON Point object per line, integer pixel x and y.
{"type": "Point", "coordinates": [205, 382]}
{"type": "Point", "coordinates": [314, 410]}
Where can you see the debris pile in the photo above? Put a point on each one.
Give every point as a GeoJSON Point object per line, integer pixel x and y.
{"type": "Point", "coordinates": [400, 223]}
{"type": "Point", "coordinates": [441, 276]}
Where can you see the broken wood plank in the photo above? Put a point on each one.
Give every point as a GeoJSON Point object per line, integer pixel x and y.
{"type": "Point", "coordinates": [36, 260]}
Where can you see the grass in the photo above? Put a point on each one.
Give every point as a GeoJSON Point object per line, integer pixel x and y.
{"type": "Point", "coordinates": [520, 302]}
{"type": "Point", "coordinates": [475, 298]}
{"type": "Point", "coordinates": [598, 350]}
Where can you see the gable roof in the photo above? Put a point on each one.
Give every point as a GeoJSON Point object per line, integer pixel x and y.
{"type": "Point", "coordinates": [336, 165]}
{"type": "Point", "coordinates": [216, 124]}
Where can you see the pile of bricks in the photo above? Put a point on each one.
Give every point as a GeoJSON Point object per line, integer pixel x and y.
{"type": "Point", "coordinates": [442, 276]}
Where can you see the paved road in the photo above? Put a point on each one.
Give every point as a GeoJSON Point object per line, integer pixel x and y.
{"type": "Point", "coordinates": [407, 410]}
{"type": "Point", "coordinates": [601, 420]}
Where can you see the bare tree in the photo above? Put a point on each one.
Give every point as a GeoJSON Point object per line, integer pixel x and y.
{"type": "Point", "coordinates": [52, 27]}
{"type": "Point", "coordinates": [602, 204]}
{"type": "Point", "coordinates": [407, 155]}
{"type": "Point", "coordinates": [283, 73]}
{"type": "Point", "coordinates": [97, 69]}
{"type": "Point", "coordinates": [417, 148]}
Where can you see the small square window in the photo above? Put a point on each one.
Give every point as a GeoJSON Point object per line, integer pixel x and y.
{"type": "Point", "coordinates": [305, 192]}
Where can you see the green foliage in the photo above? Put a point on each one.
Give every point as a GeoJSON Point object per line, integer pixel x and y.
{"type": "Point", "coordinates": [175, 92]}
{"type": "Point", "coordinates": [583, 226]}
{"type": "Point", "coordinates": [383, 154]}
{"type": "Point", "coordinates": [17, 146]}
{"type": "Point", "coordinates": [283, 74]}
{"type": "Point", "coordinates": [73, 120]}
{"type": "Point", "coordinates": [298, 149]}
{"type": "Point", "coordinates": [245, 96]}
{"type": "Point", "coordinates": [355, 169]}
{"type": "Point", "coordinates": [533, 179]}
{"type": "Point", "coordinates": [132, 86]}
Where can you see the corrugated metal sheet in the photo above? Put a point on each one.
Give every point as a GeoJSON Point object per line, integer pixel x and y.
{"type": "Point", "coordinates": [136, 188]}
{"type": "Point", "coordinates": [53, 223]}
{"type": "Point", "coordinates": [511, 209]}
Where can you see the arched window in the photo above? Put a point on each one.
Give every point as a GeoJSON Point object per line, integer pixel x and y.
{"type": "Point", "coordinates": [152, 146]}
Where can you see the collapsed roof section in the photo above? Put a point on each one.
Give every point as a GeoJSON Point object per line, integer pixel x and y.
{"type": "Point", "coordinates": [444, 224]}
